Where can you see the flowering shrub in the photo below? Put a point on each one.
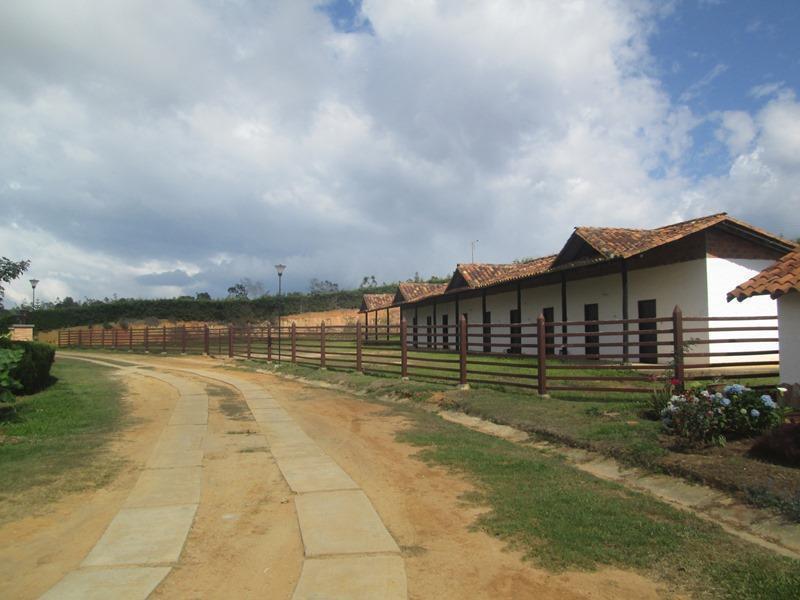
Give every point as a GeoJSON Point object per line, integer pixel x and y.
{"type": "Point", "coordinates": [703, 416]}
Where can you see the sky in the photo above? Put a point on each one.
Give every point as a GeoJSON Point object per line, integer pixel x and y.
{"type": "Point", "coordinates": [155, 149]}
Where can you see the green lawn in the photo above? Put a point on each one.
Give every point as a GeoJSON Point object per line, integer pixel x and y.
{"type": "Point", "coordinates": [53, 443]}
{"type": "Point", "coordinates": [562, 519]}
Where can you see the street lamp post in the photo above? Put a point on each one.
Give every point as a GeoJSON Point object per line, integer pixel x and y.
{"type": "Point", "coordinates": [280, 269]}
{"type": "Point", "coordinates": [34, 283]}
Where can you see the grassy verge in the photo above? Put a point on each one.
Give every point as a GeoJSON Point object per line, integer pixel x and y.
{"type": "Point", "coordinates": [53, 443]}
{"type": "Point", "coordinates": [562, 519]}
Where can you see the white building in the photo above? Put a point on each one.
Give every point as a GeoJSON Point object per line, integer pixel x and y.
{"type": "Point", "coordinates": [781, 281]}
{"type": "Point", "coordinates": [608, 274]}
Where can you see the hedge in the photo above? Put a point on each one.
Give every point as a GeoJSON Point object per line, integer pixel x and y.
{"type": "Point", "coordinates": [33, 371]}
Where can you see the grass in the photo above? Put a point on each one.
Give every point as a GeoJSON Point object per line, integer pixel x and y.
{"type": "Point", "coordinates": [53, 443]}
{"type": "Point", "coordinates": [563, 519]}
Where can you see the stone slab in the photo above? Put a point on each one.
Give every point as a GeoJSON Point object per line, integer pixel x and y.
{"type": "Point", "coordinates": [314, 473]}
{"type": "Point", "coordinates": [189, 416]}
{"type": "Point", "coordinates": [261, 403]}
{"type": "Point", "coordinates": [178, 438]}
{"type": "Point", "coordinates": [178, 458]}
{"type": "Point", "coordinates": [352, 578]}
{"type": "Point", "coordinates": [167, 487]}
{"type": "Point", "coordinates": [141, 536]}
{"type": "Point", "coordinates": [125, 583]}
{"type": "Point", "coordinates": [290, 450]}
{"type": "Point", "coordinates": [341, 522]}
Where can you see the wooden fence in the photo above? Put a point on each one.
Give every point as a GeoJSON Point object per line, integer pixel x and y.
{"type": "Point", "coordinates": [618, 357]}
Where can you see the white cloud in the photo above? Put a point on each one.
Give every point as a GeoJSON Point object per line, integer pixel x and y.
{"type": "Point", "coordinates": [220, 139]}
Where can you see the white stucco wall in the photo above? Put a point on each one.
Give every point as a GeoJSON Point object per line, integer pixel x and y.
{"type": "Point", "coordinates": [789, 319]}
{"type": "Point", "coordinates": [681, 284]}
{"type": "Point", "coordinates": [606, 292]}
{"type": "Point", "coordinates": [724, 274]}
{"type": "Point", "coordinates": [534, 301]}
{"type": "Point", "coordinates": [500, 305]}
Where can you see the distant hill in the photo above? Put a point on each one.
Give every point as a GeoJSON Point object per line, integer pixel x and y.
{"type": "Point", "coordinates": [190, 309]}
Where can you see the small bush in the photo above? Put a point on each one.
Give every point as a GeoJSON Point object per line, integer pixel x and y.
{"type": "Point", "coordinates": [703, 417]}
{"type": "Point", "coordinates": [9, 359]}
{"type": "Point", "coordinates": [33, 369]}
{"type": "Point", "coordinates": [781, 445]}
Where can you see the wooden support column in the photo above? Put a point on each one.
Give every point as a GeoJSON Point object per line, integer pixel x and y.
{"type": "Point", "coordinates": [322, 344]}
{"type": "Point", "coordinates": [403, 348]}
{"type": "Point", "coordinates": [206, 340]}
{"type": "Point", "coordinates": [541, 353]}
{"type": "Point", "coordinates": [376, 325]}
{"type": "Point", "coordinates": [677, 337]}
{"type": "Point", "coordinates": [462, 352]}
{"type": "Point", "coordinates": [415, 326]}
{"type": "Point", "coordinates": [294, 342]}
{"type": "Point", "coordinates": [387, 323]}
{"type": "Point", "coordinates": [625, 340]}
{"type": "Point", "coordinates": [359, 365]}
{"type": "Point", "coordinates": [269, 342]}
{"type": "Point", "coordinates": [564, 338]}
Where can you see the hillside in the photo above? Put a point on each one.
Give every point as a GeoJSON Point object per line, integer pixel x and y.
{"type": "Point", "coordinates": [266, 308]}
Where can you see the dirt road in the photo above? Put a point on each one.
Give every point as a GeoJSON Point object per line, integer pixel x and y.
{"type": "Point", "coordinates": [245, 540]}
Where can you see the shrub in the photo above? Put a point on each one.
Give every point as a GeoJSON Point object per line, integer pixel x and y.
{"type": "Point", "coordinates": [781, 445]}
{"type": "Point", "coordinates": [704, 417]}
{"type": "Point", "coordinates": [33, 369]}
{"type": "Point", "coordinates": [9, 359]}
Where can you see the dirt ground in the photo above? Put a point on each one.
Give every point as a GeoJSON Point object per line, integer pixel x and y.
{"type": "Point", "coordinates": [245, 540]}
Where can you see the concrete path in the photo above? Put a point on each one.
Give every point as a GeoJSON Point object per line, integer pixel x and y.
{"type": "Point", "coordinates": [349, 553]}
{"type": "Point", "coordinates": [146, 537]}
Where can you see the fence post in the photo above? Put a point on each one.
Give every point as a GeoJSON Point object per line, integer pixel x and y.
{"type": "Point", "coordinates": [677, 343]}
{"type": "Point", "coordinates": [462, 339]}
{"type": "Point", "coordinates": [114, 338]}
{"type": "Point", "coordinates": [249, 341]}
{"type": "Point", "coordinates": [147, 339]}
{"type": "Point", "coordinates": [359, 366]}
{"type": "Point", "coordinates": [206, 341]}
{"type": "Point", "coordinates": [130, 339]}
{"type": "Point", "coordinates": [269, 342]}
{"type": "Point", "coordinates": [322, 345]}
{"type": "Point", "coordinates": [183, 339]}
{"type": "Point", "coordinates": [164, 339]}
{"type": "Point", "coordinates": [294, 343]}
{"type": "Point", "coordinates": [230, 341]}
{"type": "Point", "coordinates": [541, 352]}
{"type": "Point", "coordinates": [403, 349]}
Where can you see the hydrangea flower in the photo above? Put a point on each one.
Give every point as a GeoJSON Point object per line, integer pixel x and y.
{"type": "Point", "coordinates": [767, 400]}
{"type": "Point", "coordinates": [726, 402]}
{"type": "Point", "coordinates": [754, 413]}
{"type": "Point", "coordinates": [718, 396]}
{"type": "Point", "coordinates": [734, 388]}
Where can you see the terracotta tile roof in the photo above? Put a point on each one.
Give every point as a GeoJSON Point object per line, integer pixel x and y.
{"type": "Point", "coordinates": [409, 291]}
{"type": "Point", "coordinates": [478, 275]}
{"type": "Point", "coordinates": [779, 278]}
{"type": "Point", "coordinates": [617, 242]}
{"type": "Point", "coordinates": [376, 301]}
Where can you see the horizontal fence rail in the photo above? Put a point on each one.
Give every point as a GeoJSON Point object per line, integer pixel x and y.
{"type": "Point", "coordinates": [625, 357]}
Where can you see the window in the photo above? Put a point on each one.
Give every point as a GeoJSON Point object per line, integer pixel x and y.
{"type": "Point", "coordinates": [549, 339]}
{"type": "Point", "coordinates": [648, 341]}
{"type": "Point", "coordinates": [591, 313]}
{"type": "Point", "coordinates": [516, 338]}
{"type": "Point", "coordinates": [487, 331]}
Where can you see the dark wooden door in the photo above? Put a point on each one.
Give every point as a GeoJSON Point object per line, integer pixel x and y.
{"type": "Point", "coordinates": [487, 331]}
{"type": "Point", "coordinates": [516, 338]}
{"type": "Point", "coordinates": [445, 332]}
{"type": "Point", "coordinates": [591, 313]}
{"type": "Point", "coordinates": [647, 341]}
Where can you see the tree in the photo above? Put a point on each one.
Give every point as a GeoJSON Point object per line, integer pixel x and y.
{"type": "Point", "coordinates": [322, 287]}
{"type": "Point", "coordinates": [369, 281]}
{"type": "Point", "coordinates": [202, 296]}
{"type": "Point", "coordinates": [9, 271]}
{"type": "Point", "coordinates": [237, 291]}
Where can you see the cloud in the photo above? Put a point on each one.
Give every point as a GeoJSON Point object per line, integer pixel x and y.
{"type": "Point", "coordinates": [694, 90]}
{"type": "Point", "coordinates": [155, 157]}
